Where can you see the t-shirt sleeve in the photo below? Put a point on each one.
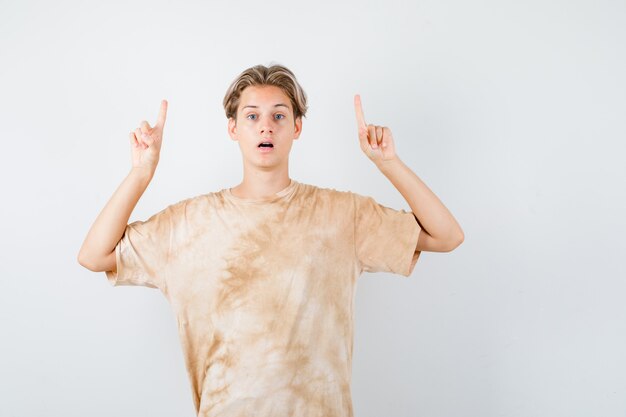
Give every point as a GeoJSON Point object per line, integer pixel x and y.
{"type": "Point", "coordinates": [142, 253]}
{"type": "Point", "coordinates": [385, 238]}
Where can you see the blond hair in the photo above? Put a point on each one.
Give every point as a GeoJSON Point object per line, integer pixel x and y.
{"type": "Point", "coordinates": [260, 75]}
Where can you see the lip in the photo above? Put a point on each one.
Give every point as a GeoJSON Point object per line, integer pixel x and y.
{"type": "Point", "coordinates": [265, 140]}
{"type": "Point", "coordinates": [265, 149]}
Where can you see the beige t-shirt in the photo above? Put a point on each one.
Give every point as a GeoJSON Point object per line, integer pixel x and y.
{"type": "Point", "coordinates": [263, 291]}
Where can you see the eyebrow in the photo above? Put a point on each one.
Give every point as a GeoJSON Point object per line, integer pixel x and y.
{"type": "Point", "coordinates": [275, 105]}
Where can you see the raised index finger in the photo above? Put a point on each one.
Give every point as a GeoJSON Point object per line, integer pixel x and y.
{"type": "Point", "coordinates": [162, 113]}
{"type": "Point", "coordinates": [360, 119]}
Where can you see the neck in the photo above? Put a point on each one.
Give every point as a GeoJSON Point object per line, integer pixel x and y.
{"type": "Point", "coordinates": [261, 183]}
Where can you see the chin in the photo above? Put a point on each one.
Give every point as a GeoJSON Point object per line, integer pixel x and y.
{"type": "Point", "coordinates": [261, 162]}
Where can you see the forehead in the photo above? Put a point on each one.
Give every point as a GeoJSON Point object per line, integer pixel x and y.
{"type": "Point", "coordinates": [263, 96]}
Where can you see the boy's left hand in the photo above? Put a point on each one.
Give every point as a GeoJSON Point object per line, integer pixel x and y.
{"type": "Point", "coordinates": [376, 141]}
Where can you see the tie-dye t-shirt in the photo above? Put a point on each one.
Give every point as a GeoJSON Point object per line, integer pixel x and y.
{"type": "Point", "coordinates": [263, 291]}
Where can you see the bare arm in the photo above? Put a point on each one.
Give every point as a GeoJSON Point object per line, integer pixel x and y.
{"type": "Point", "coordinates": [440, 230]}
{"type": "Point", "coordinates": [98, 250]}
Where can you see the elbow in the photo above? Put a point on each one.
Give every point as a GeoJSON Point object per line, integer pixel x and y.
{"type": "Point", "coordinates": [459, 240]}
{"type": "Point", "coordinates": [460, 237]}
{"type": "Point", "coordinates": [85, 261]}
{"type": "Point", "coordinates": [456, 241]}
{"type": "Point", "coordinates": [82, 261]}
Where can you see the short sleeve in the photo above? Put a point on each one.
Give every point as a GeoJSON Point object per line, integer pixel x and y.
{"type": "Point", "coordinates": [385, 238]}
{"type": "Point", "coordinates": [143, 251]}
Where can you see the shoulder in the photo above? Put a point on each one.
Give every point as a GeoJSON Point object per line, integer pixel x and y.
{"type": "Point", "coordinates": [188, 205]}
{"type": "Point", "coordinates": [321, 194]}
{"type": "Point", "coordinates": [212, 197]}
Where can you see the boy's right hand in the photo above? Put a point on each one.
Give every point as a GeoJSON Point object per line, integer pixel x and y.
{"type": "Point", "coordinates": [145, 142]}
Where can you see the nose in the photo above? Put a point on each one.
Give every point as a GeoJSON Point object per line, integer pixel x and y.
{"type": "Point", "coordinates": [267, 125]}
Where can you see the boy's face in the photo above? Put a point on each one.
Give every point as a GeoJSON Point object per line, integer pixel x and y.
{"type": "Point", "coordinates": [264, 114]}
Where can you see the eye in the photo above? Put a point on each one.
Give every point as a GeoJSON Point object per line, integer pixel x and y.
{"type": "Point", "coordinates": [282, 115]}
{"type": "Point", "coordinates": [252, 114]}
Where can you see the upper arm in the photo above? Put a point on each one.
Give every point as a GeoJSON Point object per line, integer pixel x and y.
{"type": "Point", "coordinates": [385, 239]}
{"type": "Point", "coordinates": [142, 254]}
{"type": "Point", "coordinates": [427, 243]}
{"type": "Point", "coordinates": [110, 263]}
{"type": "Point", "coordinates": [106, 263]}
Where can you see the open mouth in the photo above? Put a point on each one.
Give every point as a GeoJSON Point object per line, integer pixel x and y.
{"type": "Point", "coordinates": [266, 145]}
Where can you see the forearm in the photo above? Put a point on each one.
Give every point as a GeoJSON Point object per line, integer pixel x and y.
{"type": "Point", "coordinates": [433, 216]}
{"type": "Point", "coordinates": [109, 226]}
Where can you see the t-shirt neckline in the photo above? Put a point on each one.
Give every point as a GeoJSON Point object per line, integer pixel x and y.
{"type": "Point", "coordinates": [277, 196]}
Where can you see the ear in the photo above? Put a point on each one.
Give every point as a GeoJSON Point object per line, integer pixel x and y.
{"type": "Point", "coordinates": [297, 127]}
{"type": "Point", "coordinates": [232, 128]}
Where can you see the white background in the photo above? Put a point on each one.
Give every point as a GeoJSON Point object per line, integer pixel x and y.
{"type": "Point", "coordinates": [512, 112]}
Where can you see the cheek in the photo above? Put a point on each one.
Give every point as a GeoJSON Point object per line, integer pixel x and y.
{"type": "Point", "coordinates": [245, 129]}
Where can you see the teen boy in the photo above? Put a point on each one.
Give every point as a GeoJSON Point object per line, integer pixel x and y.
{"type": "Point", "coordinates": [262, 276]}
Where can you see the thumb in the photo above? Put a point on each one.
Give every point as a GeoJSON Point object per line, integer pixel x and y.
{"type": "Point", "coordinates": [147, 139]}
{"type": "Point", "coordinates": [145, 127]}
